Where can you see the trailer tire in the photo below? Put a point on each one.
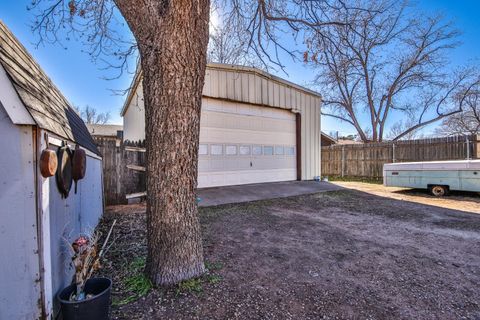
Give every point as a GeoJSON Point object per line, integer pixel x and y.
{"type": "Point", "coordinates": [438, 191]}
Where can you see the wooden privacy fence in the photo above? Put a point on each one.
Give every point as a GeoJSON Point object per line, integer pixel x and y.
{"type": "Point", "coordinates": [119, 179]}
{"type": "Point", "coordinates": [367, 160]}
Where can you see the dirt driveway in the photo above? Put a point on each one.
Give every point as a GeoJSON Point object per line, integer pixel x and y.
{"type": "Point", "coordinates": [334, 255]}
{"type": "Point", "coordinates": [464, 201]}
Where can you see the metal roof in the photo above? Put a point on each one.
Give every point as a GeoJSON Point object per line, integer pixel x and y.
{"type": "Point", "coordinates": [245, 84]}
{"type": "Point", "coordinates": [42, 99]}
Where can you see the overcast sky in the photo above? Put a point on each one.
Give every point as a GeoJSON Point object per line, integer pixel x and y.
{"type": "Point", "coordinates": [81, 80]}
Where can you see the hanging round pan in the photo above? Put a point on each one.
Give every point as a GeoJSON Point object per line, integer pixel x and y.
{"type": "Point", "coordinates": [79, 165]}
{"type": "Point", "coordinates": [64, 170]}
{"type": "Point", "coordinates": [48, 163]}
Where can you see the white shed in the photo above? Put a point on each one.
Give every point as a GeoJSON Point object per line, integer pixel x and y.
{"type": "Point", "coordinates": [35, 219]}
{"type": "Point", "coordinates": [254, 127]}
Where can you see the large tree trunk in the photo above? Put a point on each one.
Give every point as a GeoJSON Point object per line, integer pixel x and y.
{"type": "Point", "coordinates": [172, 37]}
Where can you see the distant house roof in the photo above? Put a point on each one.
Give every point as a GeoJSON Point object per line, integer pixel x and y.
{"type": "Point", "coordinates": [106, 130]}
{"type": "Point", "coordinates": [347, 141]}
{"type": "Point", "coordinates": [327, 140]}
{"type": "Point", "coordinates": [43, 101]}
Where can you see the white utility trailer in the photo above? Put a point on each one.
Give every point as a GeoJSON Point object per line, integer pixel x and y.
{"type": "Point", "coordinates": [438, 177]}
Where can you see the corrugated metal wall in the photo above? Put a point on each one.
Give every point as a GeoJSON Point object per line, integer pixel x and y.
{"type": "Point", "coordinates": [250, 85]}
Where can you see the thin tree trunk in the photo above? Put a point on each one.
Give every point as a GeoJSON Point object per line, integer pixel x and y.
{"type": "Point", "coordinates": [172, 42]}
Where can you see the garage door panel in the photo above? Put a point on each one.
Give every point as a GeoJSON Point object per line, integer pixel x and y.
{"type": "Point", "coordinates": [203, 165]}
{"type": "Point", "coordinates": [218, 135]}
{"type": "Point", "coordinates": [216, 164]}
{"type": "Point", "coordinates": [210, 119]}
{"type": "Point", "coordinates": [215, 179]}
{"type": "Point", "coordinates": [234, 134]}
{"type": "Point", "coordinates": [266, 164]}
{"type": "Point", "coordinates": [213, 165]}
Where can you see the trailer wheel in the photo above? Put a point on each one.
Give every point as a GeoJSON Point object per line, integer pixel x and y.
{"type": "Point", "coordinates": [438, 191]}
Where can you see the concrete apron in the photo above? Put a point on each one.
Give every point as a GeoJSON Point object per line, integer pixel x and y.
{"type": "Point", "coordinates": [261, 191]}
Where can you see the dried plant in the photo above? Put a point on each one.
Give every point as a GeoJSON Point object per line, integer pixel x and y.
{"type": "Point", "coordinates": [86, 260]}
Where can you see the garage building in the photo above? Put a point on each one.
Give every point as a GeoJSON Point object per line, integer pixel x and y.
{"type": "Point", "coordinates": [254, 127]}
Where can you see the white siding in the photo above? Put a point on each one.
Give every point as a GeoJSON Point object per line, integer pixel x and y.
{"type": "Point", "coordinates": [134, 117]}
{"type": "Point", "coordinates": [19, 260]}
{"type": "Point", "coordinates": [70, 217]}
{"type": "Point", "coordinates": [11, 102]}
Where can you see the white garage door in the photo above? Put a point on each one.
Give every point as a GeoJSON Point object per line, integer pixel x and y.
{"type": "Point", "coordinates": [241, 144]}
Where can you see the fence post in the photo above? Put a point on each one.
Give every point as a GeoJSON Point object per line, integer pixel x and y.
{"type": "Point", "coordinates": [476, 149]}
{"type": "Point", "coordinates": [468, 148]}
{"type": "Point", "coordinates": [393, 152]}
{"type": "Point", "coordinates": [343, 161]}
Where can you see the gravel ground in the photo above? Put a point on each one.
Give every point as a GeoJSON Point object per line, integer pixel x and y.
{"type": "Point", "coordinates": [335, 255]}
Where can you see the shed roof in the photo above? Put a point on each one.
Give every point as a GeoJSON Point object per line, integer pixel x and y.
{"type": "Point", "coordinates": [48, 107]}
{"type": "Point", "coordinates": [246, 84]}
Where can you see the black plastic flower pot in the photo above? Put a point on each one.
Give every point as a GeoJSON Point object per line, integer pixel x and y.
{"type": "Point", "coordinates": [96, 307]}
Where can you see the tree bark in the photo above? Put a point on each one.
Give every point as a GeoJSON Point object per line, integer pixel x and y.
{"type": "Point", "coordinates": [172, 37]}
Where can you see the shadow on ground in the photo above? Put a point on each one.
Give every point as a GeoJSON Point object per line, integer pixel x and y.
{"type": "Point", "coordinates": [339, 254]}
{"type": "Point", "coordinates": [454, 195]}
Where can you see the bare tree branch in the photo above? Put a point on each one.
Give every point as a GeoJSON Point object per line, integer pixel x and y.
{"type": "Point", "coordinates": [91, 115]}
{"type": "Point", "coordinates": [467, 121]}
{"type": "Point", "coordinates": [97, 23]}
{"type": "Point", "coordinates": [382, 62]}
{"type": "Point", "coordinates": [229, 44]}
{"type": "Point", "coordinates": [267, 23]}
